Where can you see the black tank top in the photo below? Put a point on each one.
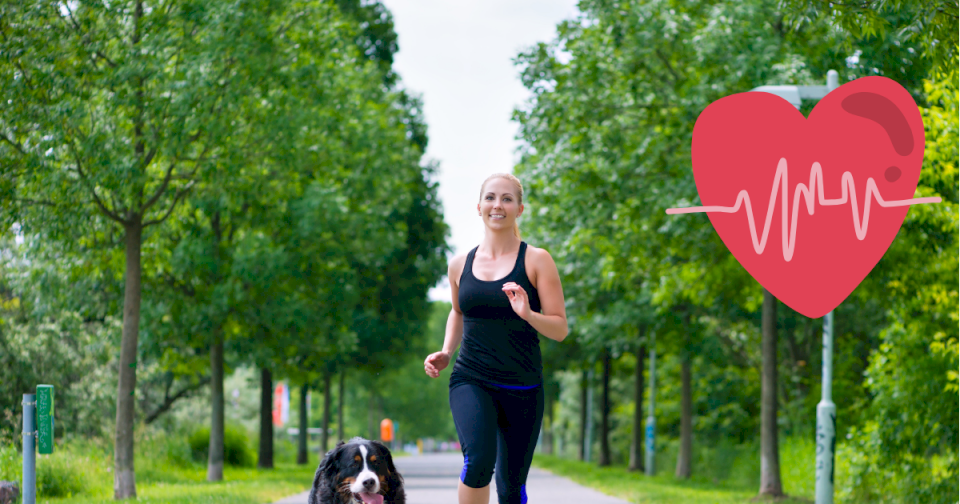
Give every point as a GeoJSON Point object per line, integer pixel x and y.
{"type": "Point", "coordinates": [498, 347]}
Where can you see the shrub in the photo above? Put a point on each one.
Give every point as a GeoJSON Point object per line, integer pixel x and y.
{"type": "Point", "coordinates": [168, 448]}
{"type": "Point", "coordinates": [10, 463]}
{"type": "Point", "coordinates": [61, 474]}
{"type": "Point", "coordinates": [236, 446]}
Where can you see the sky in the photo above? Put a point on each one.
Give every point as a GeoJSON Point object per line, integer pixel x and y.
{"type": "Point", "coordinates": [458, 55]}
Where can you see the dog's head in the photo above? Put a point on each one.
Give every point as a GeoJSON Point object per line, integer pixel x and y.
{"type": "Point", "coordinates": [358, 471]}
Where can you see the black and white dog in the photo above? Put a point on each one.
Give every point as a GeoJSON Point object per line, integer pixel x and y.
{"type": "Point", "coordinates": [358, 471]}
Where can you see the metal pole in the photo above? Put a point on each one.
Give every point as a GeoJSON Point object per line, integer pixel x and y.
{"type": "Point", "coordinates": [29, 482]}
{"type": "Point", "coordinates": [826, 410]}
{"type": "Point", "coordinates": [651, 420]}
{"type": "Point", "coordinates": [588, 437]}
{"type": "Point", "coordinates": [826, 420]}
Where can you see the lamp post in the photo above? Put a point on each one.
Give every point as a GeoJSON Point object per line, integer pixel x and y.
{"type": "Point", "coordinates": [826, 420]}
{"type": "Point", "coordinates": [794, 94]}
{"type": "Point", "coordinates": [29, 476]}
{"type": "Point", "coordinates": [826, 409]}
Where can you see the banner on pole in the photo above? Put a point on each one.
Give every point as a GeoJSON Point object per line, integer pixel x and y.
{"type": "Point", "coordinates": [281, 405]}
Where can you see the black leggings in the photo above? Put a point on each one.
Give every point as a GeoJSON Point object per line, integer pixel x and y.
{"type": "Point", "coordinates": [497, 427]}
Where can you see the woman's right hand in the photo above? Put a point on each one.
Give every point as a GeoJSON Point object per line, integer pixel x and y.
{"type": "Point", "coordinates": [435, 363]}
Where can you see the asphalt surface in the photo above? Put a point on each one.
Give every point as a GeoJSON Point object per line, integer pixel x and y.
{"type": "Point", "coordinates": [432, 479]}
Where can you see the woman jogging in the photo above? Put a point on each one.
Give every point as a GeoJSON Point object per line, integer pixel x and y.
{"type": "Point", "coordinates": [504, 293]}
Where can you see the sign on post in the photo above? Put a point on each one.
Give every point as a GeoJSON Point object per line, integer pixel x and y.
{"type": "Point", "coordinates": [45, 419]}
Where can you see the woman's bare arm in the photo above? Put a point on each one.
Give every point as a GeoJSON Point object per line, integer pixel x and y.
{"type": "Point", "coordinates": [552, 319]}
{"type": "Point", "coordinates": [437, 361]}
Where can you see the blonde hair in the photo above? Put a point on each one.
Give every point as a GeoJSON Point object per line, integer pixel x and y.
{"type": "Point", "coordinates": [516, 182]}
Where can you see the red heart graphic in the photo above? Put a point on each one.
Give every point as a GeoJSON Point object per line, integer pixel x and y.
{"type": "Point", "coordinates": [865, 138]}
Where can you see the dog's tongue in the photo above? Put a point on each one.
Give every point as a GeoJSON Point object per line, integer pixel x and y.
{"type": "Point", "coordinates": [371, 498]}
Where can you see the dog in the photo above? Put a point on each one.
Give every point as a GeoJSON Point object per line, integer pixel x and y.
{"type": "Point", "coordinates": [357, 471]}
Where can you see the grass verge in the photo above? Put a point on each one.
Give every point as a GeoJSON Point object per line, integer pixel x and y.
{"type": "Point", "coordinates": [80, 471]}
{"type": "Point", "coordinates": [188, 486]}
{"type": "Point", "coordinates": [637, 488]}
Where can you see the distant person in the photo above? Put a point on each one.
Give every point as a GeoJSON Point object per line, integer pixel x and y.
{"type": "Point", "coordinates": [504, 293]}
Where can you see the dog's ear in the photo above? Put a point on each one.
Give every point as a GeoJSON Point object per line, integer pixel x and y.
{"type": "Point", "coordinates": [327, 470]}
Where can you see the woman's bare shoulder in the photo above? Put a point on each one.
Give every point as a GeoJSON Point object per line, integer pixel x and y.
{"type": "Point", "coordinates": [539, 263]}
{"type": "Point", "coordinates": [539, 255]}
{"type": "Point", "coordinates": [455, 267]}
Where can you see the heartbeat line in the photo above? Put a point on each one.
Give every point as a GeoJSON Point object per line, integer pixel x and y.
{"type": "Point", "coordinates": [816, 184]}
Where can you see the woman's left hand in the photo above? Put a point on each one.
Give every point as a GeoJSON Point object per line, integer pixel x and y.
{"type": "Point", "coordinates": [518, 299]}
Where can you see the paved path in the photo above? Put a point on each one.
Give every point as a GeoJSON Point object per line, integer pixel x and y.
{"type": "Point", "coordinates": [432, 479]}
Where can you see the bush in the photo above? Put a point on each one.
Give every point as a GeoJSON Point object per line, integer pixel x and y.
{"type": "Point", "coordinates": [236, 446]}
{"type": "Point", "coordinates": [61, 474]}
{"type": "Point", "coordinates": [163, 448]}
{"type": "Point", "coordinates": [10, 463]}
{"type": "Point", "coordinates": [71, 470]}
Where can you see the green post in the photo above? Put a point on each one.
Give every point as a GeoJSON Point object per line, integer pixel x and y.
{"type": "Point", "coordinates": [45, 419]}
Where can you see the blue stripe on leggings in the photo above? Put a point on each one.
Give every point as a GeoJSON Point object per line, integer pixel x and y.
{"type": "Point", "coordinates": [463, 473]}
{"type": "Point", "coordinates": [523, 494]}
{"type": "Point", "coordinates": [514, 387]}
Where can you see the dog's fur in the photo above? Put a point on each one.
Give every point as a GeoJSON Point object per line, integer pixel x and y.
{"type": "Point", "coordinates": [342, 472]}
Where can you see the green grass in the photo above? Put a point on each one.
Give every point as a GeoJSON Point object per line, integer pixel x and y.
{"type": "Point", "coordinates": [80, 471]}
{"type": "Point", "coordinates": [721, 475]}
{"type": "Point", "coordinates": [240, 486]}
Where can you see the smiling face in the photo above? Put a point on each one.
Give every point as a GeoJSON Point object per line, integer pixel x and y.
{"type": "Point", "coordinates": [500, 204]}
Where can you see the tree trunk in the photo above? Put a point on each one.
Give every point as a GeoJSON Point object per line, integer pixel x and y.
{"type": "Point", "coordinates": [302, 431]}
{"type": "Point", "coordinates": [215, 449]}
{"type": "Point", "coordinates": [340, 435]}
{"type": "Point", "coordinates": [636, 443]}
{"type": "Point", "coordinates": [265, 459]}
{"type": "Point", "coordinates": [124, 485]}
{"type": "Point", "coordinates": [769, 450]}
{"type": "Point", "coordinates": [684, 461]}
{"type": "Point", "coordinates": [325, 430]}
{"type": "Point", "coordinates": [583, 416]}
{"type": "Point", "coordinates": [605, 413]}
{"type": "Point", "coordinates": [371, 429]}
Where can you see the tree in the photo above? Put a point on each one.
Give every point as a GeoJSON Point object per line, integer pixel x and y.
{"type": "Point", "coordinates": [118, 131]}
{"type": "Point", "coordinates": [931, 23]}
{"type": "Point", "coordinates": [605, 410]}
{"type": "Point", "coordinates": [911, 377]}
{"type": "Point", "coordinates": [769, 447]}
{"type": "Point", "coordinates": [265, 449]}
{"type": "Point", "coordinates": [608, 130]}
{"type": "Point", "coordinates": [375, 35]}
{"type": "Point", "coordinates": [325, 426]}
{"type": "Point", "coordinates": [302, 434]}
{"type": "Point", "coordinates": [685, 455]}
